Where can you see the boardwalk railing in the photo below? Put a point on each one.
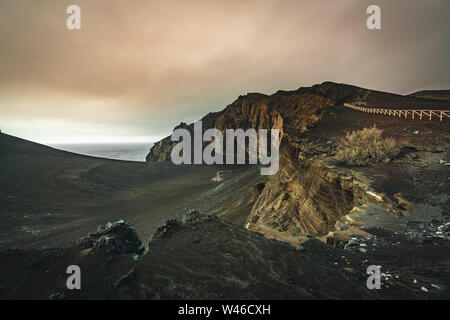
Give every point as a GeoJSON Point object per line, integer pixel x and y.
{"type": "Point", "coordinates": [427, 114]}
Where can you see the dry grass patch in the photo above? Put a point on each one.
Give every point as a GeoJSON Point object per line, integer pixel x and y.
{"type": "Point", "coordinates": [366, 146]}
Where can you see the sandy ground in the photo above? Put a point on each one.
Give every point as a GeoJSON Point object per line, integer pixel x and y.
{"type": "Point", "coordinates": [51, 198]}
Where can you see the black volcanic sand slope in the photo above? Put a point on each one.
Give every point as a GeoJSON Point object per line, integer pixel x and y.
{"type": "Point", "coordinates": [50, 198]}
{"type": "Point", "coordinates": [212, 259]}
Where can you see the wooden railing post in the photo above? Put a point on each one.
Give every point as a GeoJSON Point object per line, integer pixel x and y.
{"type": "Point", "coordinates": [402, 113]}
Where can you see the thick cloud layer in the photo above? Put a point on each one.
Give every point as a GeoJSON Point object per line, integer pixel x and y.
{"type": "Point", "coordinates": [137, 68]}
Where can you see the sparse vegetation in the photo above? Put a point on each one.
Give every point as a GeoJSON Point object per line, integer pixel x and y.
{"type": "Point", "coordinates": [365, 146]}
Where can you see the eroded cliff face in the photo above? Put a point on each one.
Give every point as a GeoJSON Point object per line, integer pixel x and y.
{"type": "Point", "coordinates": [290, 112]}
{"type": "Point", "coordinates": [301, 198]}
{"type": "Point", "coordinates": [161, 150]}
{"type": "Point", "coordinates": [250, 112]}
{"type": "Point", "coordinates": [304, 197]}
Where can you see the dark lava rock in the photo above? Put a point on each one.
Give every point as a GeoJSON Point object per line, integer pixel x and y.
{"type": "Point", "coordinates": [429, 231]}
{"type": "Point", "coordinates": [164, 230]}
{"type": "Point", "coordinates": [118, 237]}
{"type": "Point", "coordinates": [337, 243]}
{"type": "Point", "coordinates": [193, 216]}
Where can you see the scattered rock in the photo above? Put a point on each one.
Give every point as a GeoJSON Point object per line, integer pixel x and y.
{"type": "Point", "coordinates": [118, 237]}
{"type": "Point", "coordinates": [429, 231]}
{"type": "Point", "coordinates": [193, 216]}
{"type": "Point", "coordinates": [402, 202]}
{"type": "Point", "coordinates": [352, 243]}
{"type": "Point", "coordinates": [443, 229]}
{"type": "Point", "coordinates": [435, 286]}
{"type": "Point", "coordinates": [164, 230]}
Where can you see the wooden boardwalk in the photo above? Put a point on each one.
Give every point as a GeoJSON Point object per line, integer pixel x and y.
{"type": "Point", "coordinates": [413, 114]}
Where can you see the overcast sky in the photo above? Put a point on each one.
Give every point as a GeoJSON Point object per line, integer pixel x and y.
{"type": "Point", "coordinates": [137, 68]}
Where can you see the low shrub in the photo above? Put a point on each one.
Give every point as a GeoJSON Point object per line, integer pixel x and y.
{"type": "Point", "coordinates": [365, 146]}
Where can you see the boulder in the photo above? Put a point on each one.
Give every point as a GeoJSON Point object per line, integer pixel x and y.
{"type": "Point", "coordinates": [193, 216]}
{"type": "Point", "coordinates": [164, 230]}
{"type": "Point", "coordinates": [118, 237]}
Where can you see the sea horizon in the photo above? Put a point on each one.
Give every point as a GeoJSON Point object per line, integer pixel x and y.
{"type": "Point", "coordinates": [129, 151]}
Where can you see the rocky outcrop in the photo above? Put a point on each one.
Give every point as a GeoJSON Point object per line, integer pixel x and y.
{"type": "Point", "coordinates": [292, 112]}
{"type": "Point", "coordinates": [192, 217]}
{"type": "Point", "coordinates": [250, 112]}
{"type": "Point", "coordinates": [308, 195]}
{"type": "Point", "coordinates": [338, 92]}
{"type": "Point", "coordinates": [311, 196]}
{"type": "Point", "coordinates": [118, 237]}
{"type": "Point", "coordinates": [305, 197]}
{"type": "Point", "coordinates": [161, 150]}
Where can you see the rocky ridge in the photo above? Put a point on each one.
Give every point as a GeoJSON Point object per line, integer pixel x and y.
{"type": "Point", "coordinates": [311, 194]}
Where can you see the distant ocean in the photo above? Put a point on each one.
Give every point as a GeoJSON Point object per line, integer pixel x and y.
{"type": "Point", "coordinates": [119, 151]}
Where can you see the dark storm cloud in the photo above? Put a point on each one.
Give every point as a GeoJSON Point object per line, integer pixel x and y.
{"type": "Point", "coordinates": [138, 68]}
